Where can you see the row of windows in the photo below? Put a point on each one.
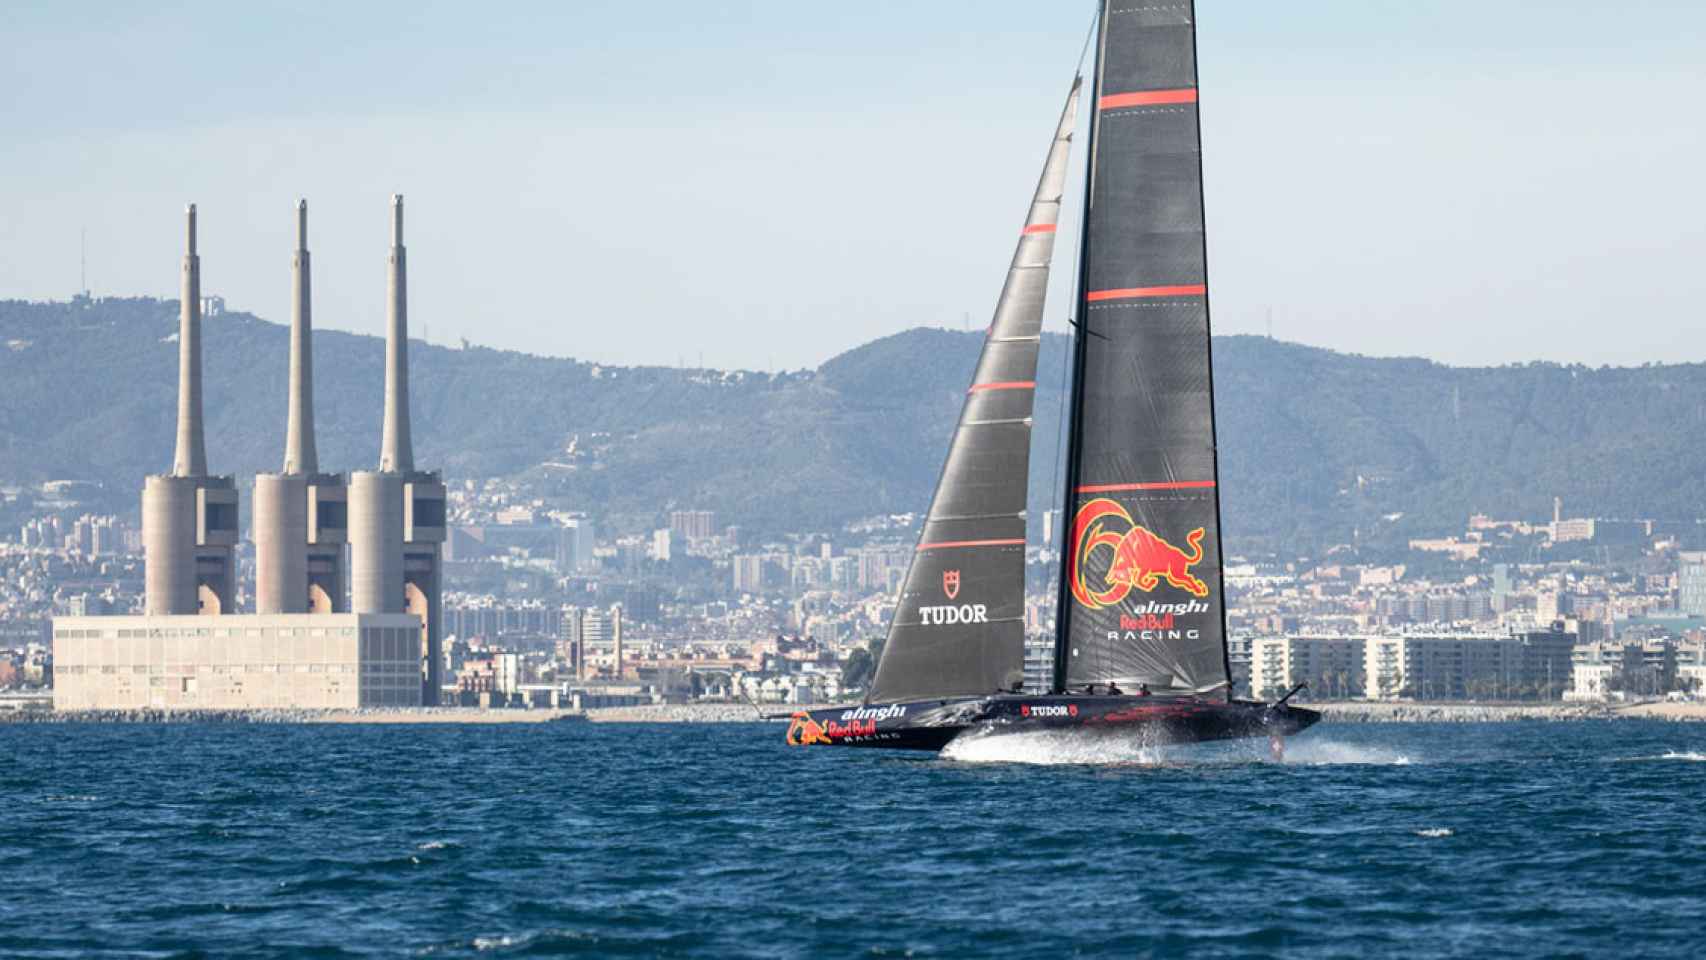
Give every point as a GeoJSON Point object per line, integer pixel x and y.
{"type": "Point", "coordinates": [175, 633]}
{"type": "Point", "coordinates": [211, 668]}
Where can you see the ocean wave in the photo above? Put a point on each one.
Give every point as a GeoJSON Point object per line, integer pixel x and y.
{"type": "Point", "coordinates": [1692, 756]}
{"type": "Point", "coordinates": [1434, 833]}
{"type": "Point", "coordinates": [1312, 752]}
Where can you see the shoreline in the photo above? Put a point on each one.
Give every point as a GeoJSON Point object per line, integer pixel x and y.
{"type": "Point", "coordinates": [1346, 712]}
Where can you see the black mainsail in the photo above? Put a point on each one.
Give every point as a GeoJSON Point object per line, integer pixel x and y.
{"type": "Point", "coordinates": [959, 626]}
{"type": "Point", "coordinates": [1141, 598]}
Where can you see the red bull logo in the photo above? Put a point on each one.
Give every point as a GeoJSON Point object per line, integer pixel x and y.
{"type": "Point", "coordinates": [1141, 560]}
{"type": "Point", "coordinates": [803, 731]}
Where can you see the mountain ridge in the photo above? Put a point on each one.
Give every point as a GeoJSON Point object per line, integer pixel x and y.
{"type": "Point", "coordinates": [1316, 446]}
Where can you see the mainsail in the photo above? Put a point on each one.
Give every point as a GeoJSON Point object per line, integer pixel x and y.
{"type": "Point", "coordinates": [959, 626]}
{"type": "Point", "coordinates": [1141, 600]}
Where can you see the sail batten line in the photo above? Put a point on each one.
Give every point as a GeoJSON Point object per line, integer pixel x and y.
{"type": "Point", "coordinates": [958, 544]}
{"type": "Point", "coordinates": [1147, 98]}
{"type": "Point", "coordinates": [1003, 385]}
{"type": "Point", "coordinates": [1038, 228]}
{"type": "Point", "coordinates": [1132, 293]}
{"type": "Point", "coordinates": [1156, 485]}
{"type": "Point", "coordinates": [951, 517]}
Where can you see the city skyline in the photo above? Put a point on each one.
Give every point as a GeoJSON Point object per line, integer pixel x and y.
{"type": "Point", "coordinates": [783, 242]}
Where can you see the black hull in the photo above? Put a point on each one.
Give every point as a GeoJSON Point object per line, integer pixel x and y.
{"type": "Point", "coordinates": [933, 724]}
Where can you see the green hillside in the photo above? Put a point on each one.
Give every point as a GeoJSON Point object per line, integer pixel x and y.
{"type": "Point", "coordinates": [1314, 444]}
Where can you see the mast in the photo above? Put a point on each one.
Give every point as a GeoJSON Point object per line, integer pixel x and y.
{"type": "Point", "coordinates": [1075, 403]}
{"type": "Point", "coordinates": [1142, 593]}
{"type": "Point", "coordinates": [959, 625]}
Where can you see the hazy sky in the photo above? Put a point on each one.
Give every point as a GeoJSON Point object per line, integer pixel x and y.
{"type": "Point", "coordinates": [768, 183]}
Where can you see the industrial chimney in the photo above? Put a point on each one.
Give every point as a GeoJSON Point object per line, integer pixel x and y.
{"type": "Point", "coordinates": [190, 457]}
{"type": "Point", "coordinates": [397, 513]}
{"type": "Point", "coordinates": [300, 514]}
{"type": "Point", "coordinates": [189, 519]}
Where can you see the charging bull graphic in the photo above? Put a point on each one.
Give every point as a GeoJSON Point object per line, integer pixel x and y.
{"type": "Point", "coordinates": [803, 731]}
{"type": "Point", "coordinates": [1141, 560]}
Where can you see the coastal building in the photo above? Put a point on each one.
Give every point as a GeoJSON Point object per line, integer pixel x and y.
{"type": "Point", "coordinates": [1416, 665]}
{"type": "Point", "coordinates": [592, 637]}
{"type": "Point", "coordinates": [1332, 666]}
{"type": "Point", "coordinates": [1691, 583]}
{"type": "Point", "coordinates": [1691, 667]}
{"type": "Point", "coordinates": [236, 662]}
{"type": "Point", "coordinates": [1598, 669]}
{"type": "Point", "coordinates": [693, 524]}
{"type": "Point", "coordinates": [1039, 662]}
{"type": "Point", "coordinates": [1633, 667]}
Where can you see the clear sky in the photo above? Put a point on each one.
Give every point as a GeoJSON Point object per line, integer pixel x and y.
{"type": "Point", "coordinates": [766, 183]}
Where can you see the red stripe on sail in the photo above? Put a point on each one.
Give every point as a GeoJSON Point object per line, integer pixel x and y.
{"type": "Point", "coordinates": [1163, 485]}
{"type": "Point", "coordinates": [1003, 385]}
{"type": "Point", "coordinates": [1127, 293]}
{"type": "Point", "coordinates": [1147, 98]}
{"type": "Point", "coordinates": [1039, 228]}
{"type": "Point", "coordinates": [971, 543]}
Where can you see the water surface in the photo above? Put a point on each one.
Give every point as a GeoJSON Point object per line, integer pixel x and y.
{"type": "Point", "coordinates": [1520, 839]}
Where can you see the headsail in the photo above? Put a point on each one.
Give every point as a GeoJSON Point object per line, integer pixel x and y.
{"type": "Point", "coordinates": [1142, 601]}
{"type": "Point", "coordinates": [959, 626]}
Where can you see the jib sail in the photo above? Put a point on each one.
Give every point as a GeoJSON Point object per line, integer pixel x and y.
{"type": "Point", "coordinates": [1141, 599]}
{"type": "Point", "coordinates": [959, 626]}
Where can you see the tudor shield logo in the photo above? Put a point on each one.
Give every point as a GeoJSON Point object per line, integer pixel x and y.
{"type": "Point", "coordinates": [951, 583]}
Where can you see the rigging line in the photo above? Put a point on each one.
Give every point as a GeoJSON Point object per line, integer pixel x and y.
{"type": "Point", "coordinates": [1089, 35]}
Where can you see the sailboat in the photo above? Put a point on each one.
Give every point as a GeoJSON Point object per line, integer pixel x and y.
{"type": "Point", "coordinates": [1140, 644]}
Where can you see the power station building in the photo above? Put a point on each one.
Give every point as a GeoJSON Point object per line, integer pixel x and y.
{"type": "Point", "coordinates": [327, 632]}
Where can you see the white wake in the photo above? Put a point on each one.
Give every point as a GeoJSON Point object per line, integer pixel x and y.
{"type": "Point", "coordinates": [1054, 747]}
{"type": "Point", "coordinates": [1306, 751]}
{"type": "Point", "coordinates": [1692, 756]}
{"type": "Point", "coordinates": [1125, 749]}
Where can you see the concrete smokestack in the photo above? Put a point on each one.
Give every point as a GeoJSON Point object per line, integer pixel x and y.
{"type": "Point", "coordinates": [397, 513]}
{"type": "Point", "coordinates": [190, 458]}
{"type": "Point", "coordinates": [397, 453]}
{"type": "Point", "coordinates": [281, 499]}
{"type": "Point", "coordinates": [300, 457]}
{"type": "Point", "coordinates": [189, 519]}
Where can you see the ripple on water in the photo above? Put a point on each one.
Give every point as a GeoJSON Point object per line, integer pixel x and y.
{"type": "Point", "coordinates": [643, 841]}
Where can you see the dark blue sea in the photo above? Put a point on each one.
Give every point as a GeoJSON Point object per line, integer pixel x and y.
{"type": "Point", "coordinates": [1519, 839]}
